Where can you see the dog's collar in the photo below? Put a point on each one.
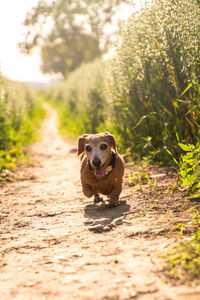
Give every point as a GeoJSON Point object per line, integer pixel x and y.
{"type": "Point", "coordinates": [111, 165]}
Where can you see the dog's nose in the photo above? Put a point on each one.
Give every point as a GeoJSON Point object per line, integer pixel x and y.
{"type": "Point", "coordinates": [96, 162]}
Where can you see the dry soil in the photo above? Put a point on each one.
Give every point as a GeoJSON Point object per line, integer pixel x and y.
{"type": "Point", "coordinates": [57, 244]}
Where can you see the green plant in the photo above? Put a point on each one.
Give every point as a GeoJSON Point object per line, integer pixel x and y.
{"type": "Point", "coordinates": [138, 178]}
{"type": "Point", "coordinates": [20, 116]}
{"type": "Point", "coordinates": [189, 169]}
{"type": "Point", "coordinates": [183, 261]}
{"type": "Point", "coordinates": [147, 95]}
{"type": "Point", "coordinates": [154, 79]}
{"type": "Point", "coordinates": [80, 100]}
{"type": "Point", "coordinates": [144, 212]}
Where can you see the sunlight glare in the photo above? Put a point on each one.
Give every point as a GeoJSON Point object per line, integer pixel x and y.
{"type": "Point", "coordinates": [14, 64]}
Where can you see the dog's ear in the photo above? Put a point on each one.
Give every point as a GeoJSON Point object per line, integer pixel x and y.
{"type": "Point", "coordinates": [81, 143]}
{"type": "Point", "coordinates": [111, 140]}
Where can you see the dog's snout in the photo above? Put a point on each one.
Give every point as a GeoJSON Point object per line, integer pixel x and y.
{"type": "Point", "coordinates": [96, 162]}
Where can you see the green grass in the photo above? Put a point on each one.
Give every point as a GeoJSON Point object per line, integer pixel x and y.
{"type": "Point", "coordinates": [154, 80]}
{"type": "Point", "coordinates": [20, 119]}
{"type": "Point", "coordinates": [80, 100]}
{"type": "Point", "coordinates": [148, 94]}
{"type": "Point", "coordinates": [183, 260]}
{"type": "Point", "coordinates": [70, 123]}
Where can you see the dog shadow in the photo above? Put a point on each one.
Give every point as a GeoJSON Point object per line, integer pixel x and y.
{"type": "Point", "coordinates": [101, 218]}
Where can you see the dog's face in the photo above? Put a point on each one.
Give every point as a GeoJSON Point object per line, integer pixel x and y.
{"type": "Point", "coordinates": [98, 148]}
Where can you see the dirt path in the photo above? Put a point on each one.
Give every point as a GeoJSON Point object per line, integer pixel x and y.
{"type": "Point", "coordinates": [55, 244]}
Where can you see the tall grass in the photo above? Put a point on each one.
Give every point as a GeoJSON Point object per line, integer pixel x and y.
{"type": "Point", "coordinates": [20, 115]}
{"type": "Point", "coordinates": [148, 94]}
{"type": "Point", "coordinates": [154, 75]}
{"type": "Point", "coordinates": [81, 100]}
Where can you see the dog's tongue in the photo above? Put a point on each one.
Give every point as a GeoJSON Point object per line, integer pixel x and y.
{"type": "Point", "coordinates": [99, 172]}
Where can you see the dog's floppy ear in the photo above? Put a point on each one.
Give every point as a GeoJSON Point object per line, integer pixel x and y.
{"type": "Point", "coordinates": [81, 143]}
{"type": "Point", "coordinates": [111, 140]}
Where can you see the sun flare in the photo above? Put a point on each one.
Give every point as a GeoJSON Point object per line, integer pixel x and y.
{"type": "Point", "coordinates": [14, 64]}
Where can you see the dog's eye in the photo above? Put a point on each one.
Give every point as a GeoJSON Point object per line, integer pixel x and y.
{"type": "Point", "coordinates": [88, 148]}
{"type": "Point", "coordinates": [104, 146]}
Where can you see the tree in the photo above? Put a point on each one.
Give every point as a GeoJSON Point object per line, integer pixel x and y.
{"type": "Point", "coordinates": [76, 34]}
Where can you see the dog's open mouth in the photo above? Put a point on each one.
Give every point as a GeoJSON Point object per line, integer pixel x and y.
{"type": "Point", "coordinates": [100, 172]}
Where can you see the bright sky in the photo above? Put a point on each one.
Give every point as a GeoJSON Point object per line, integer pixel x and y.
{"type": "Point", "coordinates": [14, 64]}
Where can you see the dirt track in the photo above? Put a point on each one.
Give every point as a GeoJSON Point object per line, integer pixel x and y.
{"type": "Point", "coordinates": [55, 244]}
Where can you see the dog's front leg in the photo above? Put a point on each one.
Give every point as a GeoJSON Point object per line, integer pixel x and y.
{"type": "Point", "coordinates": [114, 196]}
{"type": "Point", "coordinates": [88, 191]}
{"type": "Point", "coordinates": [113, 201]}
{"type": "Point", "coordinates": [97, 198]}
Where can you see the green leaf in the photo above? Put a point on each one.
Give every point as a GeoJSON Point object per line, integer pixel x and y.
{"type": "Point", "coordinates": [195, 196]}
{"type": "Point", "coordinates": [174, 159]}
{"type": "Point", "coordinates": [187, 88]}
{"type": "Point", "coordinates": [186, 147]}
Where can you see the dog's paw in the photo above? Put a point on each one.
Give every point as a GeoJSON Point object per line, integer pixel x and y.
{"type": "Point", "coordinates": [98, 199]}
{"type": "Point", "coordinates": [113, 203]}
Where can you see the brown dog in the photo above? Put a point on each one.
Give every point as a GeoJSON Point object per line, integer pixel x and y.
{"type": "Point", "coordinates": [102, 167]}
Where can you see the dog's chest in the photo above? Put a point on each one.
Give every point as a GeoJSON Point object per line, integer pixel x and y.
{"type": "Point", "coordinates": [103, 186]}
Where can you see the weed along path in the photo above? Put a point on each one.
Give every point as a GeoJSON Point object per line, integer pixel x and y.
{"type": "Point", "coordinates": [56, 244]}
